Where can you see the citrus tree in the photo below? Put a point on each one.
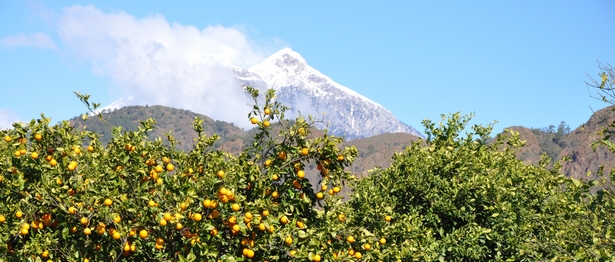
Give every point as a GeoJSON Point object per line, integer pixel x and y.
{"type": "Point", "coordinates": [64, 196]}
{"type": "Point", "coordinates": [454, 198]}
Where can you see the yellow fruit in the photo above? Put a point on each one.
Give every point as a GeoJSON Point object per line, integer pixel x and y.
{"type": "Point", "coordinates": [341, 217]}
{"type": "Point", "coordinates": [77, 150]}
{"type": "Point", "coordinates": [300, 174]}
{"type": "Point", "coordinates": [274, 177]}
{"type": "Point", "coordinates": [90, 149]}
{"type": "Point", "coordinates": [220, 174]}
{"type": "Point", "coordinates": [207, 203]}
{"type": "Point", "coordinates": [18, 214]}
{"type": "Point", "coordinates": [170, 167]}
{"type": "Point", "coordinates": [301, 131]}
{"type": "Point", "coordinates": [108, 202]}
{"type": "Point", "coordinates": [284, 220]}
{"type": "Point", "coordinates": [304, 151]}
{"type": "Point", "coordinates": [116, 235]}
{"type": "Point", "coordinates": [126, 247]}
{"type": "Point", "coordinates": [249, 253]}
{"type": "Point", "coordinates": [132, 232]}
{"type": "Point", "coordinates": [87, 231]}
{"type": "Point", "coordinates": [179, 226]}
{"type": "Point", "coordinates": [268, 162]}
{"type": "Point", "coordinates": [232, 220]}
{"type": "Point", "coordinates": [336, 189]}
{"type": "Point", "coordinates": [143, 234]}
{"type": "Point", "coordinates": [162, 222]}
{"type": "Point", "coordinates": [383, 241]}
{"type": "Point", "coordinates": [22, 151]}
{"type": "Point", "coordinates": [267, 111]}
{"type": "Point", "coordinates": [350, 239]}
{"type": "Point", "coordinates": [53, 162]}
{"type": "Point", "coordinates": [320, 195]}
{"type": "Point", "coordinates": [159, 241]}
{"type": "Point", "coordinates": [358, 255]}
{"type": "Point", "coordinates": [235, 207]}
{"type": "Point", "coordinates": [288, 240]}
{"type": "Point", "coordinates": [17, 153]}
{"type": "Point", "coordinates": [254, 121]}
{"type": "Point", "coordinates": [340, 158]}
{"type": "Point", "coordinates": [292, 253]}
{"type": "Point", "coordinates": [265, 213]}
{"type": "Point", "coordinates": [367, 246]}
{"type": "Point", "coordinates": [86, 260]}
{"type": "Point", "coordinates": [2, 219]}
{"type": "Point", "coordinates": [282, 155]}
{"type": "Point", "coordinates": [24, 231]}
{"type": "Point", "coordinates": [387, 218]}
{"type": "Point", "coordinates": [152, 203]}
{"type": "Point", "coordinates": [84, 221]}
{"type": "Point", "coordinates": [316, 258]}
{"type": "Point", "coordinates": [266, 123]}
{"type": "Point", "coordinates": [34, 155]}
{"type": "Point", "coordinates": [213, 232]}
{"type": "Point", "coordinates": [45, 254]}
{"type": "Point", "coordinates": [275, 194]}
{"type": "Point", "coordinates": [183, 206]}
{"type": "Point", "coordinates": [197, 217]}
{"type": "Point", "coordinates": [167, 216]}
{"type": "Point", "coordinates": [117, 219]}
{"type": "Point", "coordinates": [236, 228]}
{"type": "Point", "coordinates": [159, 169]}
{"type": "Point", "coordinates": [7, 139]}
{"type": "Point", "coordinates": [300, 224]}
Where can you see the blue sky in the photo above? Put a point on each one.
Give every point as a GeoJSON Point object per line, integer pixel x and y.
{"type": "Point", "coordinates": [517, 62]}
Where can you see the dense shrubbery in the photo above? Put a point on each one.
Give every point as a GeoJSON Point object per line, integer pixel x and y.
{"type": "Point", "coordinates": [66, 197]}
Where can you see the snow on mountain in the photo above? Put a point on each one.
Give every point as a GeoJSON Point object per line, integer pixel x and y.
{"type": "Point", "coordinates": [307, 91]}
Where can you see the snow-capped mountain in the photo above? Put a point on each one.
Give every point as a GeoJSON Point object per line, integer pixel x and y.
{"type": "Point", "coordinates": [306, 90]}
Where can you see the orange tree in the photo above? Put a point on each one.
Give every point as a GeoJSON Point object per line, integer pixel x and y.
{"type": "Point", "coordinates": [454, 198]}
{"type": "Point", "coordinates": [64, 196]}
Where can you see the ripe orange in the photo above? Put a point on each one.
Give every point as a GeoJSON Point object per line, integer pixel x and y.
{"type": "Point", "coordinates": [213, 232]}
{"type": "Point", "coordinates": [2, 219]}
{"type": "Point", "coordinates": [288, 240]}
{"type": "Point", "coordinates": [316, 258]}
{"type": "Point", "coordinates": [53, 162]}
{"type": "Point", "coordinates": [262, 227]}
{"type": "Point", "coordinates": [284, 220]}
{"type": "Point", "coordinates": [126, 246]}
{"type": "Point", "coordinates": [159, 169]}
{"type": "Point", "coordinates": [143, 234]}
{"type": "Point", "coordinates": [266, 123]}
{"type": "Point", "coordinates": [268, 162]}
{"type": "Point", "coordinates": [320, 195]}
{"type": "Point", "coordinates": [367, 246]}
{"type": "Point", "coordinates": [387, 218]}
{"type": "Point", "coordinates": [383, 241]}
{"type": "Point", "coordinates": [22, 151]}
{"type": "Point", "coordinates": [159, 241]}
{"type": "Point", "coordinates": [84, 221]}
{"type": "Point", "coordinates": [305, 151]}
{"type": "Point", "coordinates": [282, 155]}
{"type": "Point", "coordinates": [340, 158]}
{"type": "Point", "coordinates": [90, 149]}
{"type": "Point", "coordinates": [170, 167]}
{"type": "Point", "coordinates": [274, 177]}
{"type": "Point", "coordinates": [108, 202]}
{"type": "Point", "coordinates": [183, 206]}
{"type": "Point", "coordinates": [232, 220]}
{"type": "Point", "coordinates": [179, 226]}
{"type": "Point", "coordinates": [87, 231]}
{"type": "Point", "coordinates": [235, 207]}
{"type": "Point", "coordinates": [350, 239]}
{"type": "Point", "coordinates": [267, 111]}
{"type": "Point", "coordinates": [221, 174]}
{"type": "Point", "coordinates": [34, 155]}
{"type": "Point", "coordinates": [152, 203]}
{"type": "Point", "coordinates": [254, 121]}
{"type": "Point", "coordinates": [162, 222]}
{"type": "Point", "coordinates": [167, 216]}
{"type": "Point", "coordinates": [7, 139]}
{"type": "Point", "coordinates": [301, 131]}
{"type": "Point", "coordinates": [197, 217]}
{"type": "Point", "coordinates": [265, 212]}
{"type": "Point", "coordinates": [17, 153]}
{"type": "Point", "coordinates": [116, 235]}
{"type": "Point", "coordinates": [301, 174]}
{"type": "Point", "coordinates": [341, 217]}
{"type": "Point", "coordinates": [38, 137]}
{"type": "Point", "coordinates": [77, 150]}
{"type": "Point", "coordinates": [117, 219]}
{"type": "Point", "coordinates": [249, 253]}
{"type": "Point", "coordinates": [275, 194]}
{"type": "Point", "coordinates": [336, 189]}
{"type": "Point", "coordinates": [18, 214]}
{"type": "Point", "coordinates": [236, 228]}
{"type": "Point", "coordinates": [358, 255]}
{"type": "Point", "coordinates": [45, 254]}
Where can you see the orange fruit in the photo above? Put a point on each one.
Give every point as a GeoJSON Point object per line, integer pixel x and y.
{"type": "Point", "coordinates": [159, 241]}
{"type": "Point", "coordinates": [159, 169]}
{"type": "Point", "coordinates": [108, 202]}
{"type": "Point", "coordinates": [213, 232]}
{"type": "Point", "coordinates": [383, 241]}
{"type": "Point", "coordinates": [143, 234]}
{"type": "Point", "coordinates": [18, 214]}
{"type": "Point", "coordinates": [152, 203]}
{"type": "Point", "coordinates": [262, 227]}
{"type": "Point", "coordinates": [116, 235]}
{"type": "Point", "coordinates": [87, 231]}
{"type": "Point", "coordinates": [367, 246]}
{"type": "Point", "coordinates": [320, 195]}
{"type": "Point", "coordinates": [340, 158]}
{"type": "Point", "coordinates": [7, 139]}
{"type": "Point", "coordinates": [336, 189]}
{"type": "Point", "coordinates": [267, 111]}
{"type": "Point", "coordinates": [288, 240]}
{"type": "Point", "coordinates": [45, 254]}
{"type": "Point", "coordinates": [90, 149]}
{"type": "Point", "coordinates": [197, 217]}
{"type": "Point", "coordinates": [221, 174]}
{"type": "Point", "coordinates": [117, 219]}
{"type": "Point", "coordinates": [275, 194]}
{"type": "Point", "coordinates": [167, 216]}
{"type": "Point", "coordinates": [274, 177]}
{"type": "Point", "coordinates": [284, 220]}
{"type": "Point", "coordinates": [316, 258]}
{"type": "Point", "coordinates": [34, 155]}
{"type": "Point", "coordinates": [301, 131]}
{"type": "Point", "coordinates": [341, 217]}
{"type": "Point", "coordinates": [84, 221]}
{"type": "Point", "coordinates": [358, 255]}
{"type": "Point", "coordinates": [268, 162]}
{"type": "Point", "coordinates": [170, 167]}
{"type": "Point", "coordinates": [179, 226]}
{"type": "Point", "coordinates": [162, 222]}
{"type": "Point", "coordinates": [236, 228]}
{"type": "Point", "coordinates": [53, 162]}
{"type": "Point", "coordinates": [304, 151]}
{"type": "Point", "coordinates": [265, 212]}
{"type": "Point", "coordinates": [249, 253]}
{"type": "Point", "coordinates": [2, 219]}
{"type": "Point", "coordinates": [350, 239]}
{"type": "Point", "coordinates": [300, 174]}
{"type": "Point", "coordinates": [253, 120]}
{"type": "Point", "coordinates": [24, 231]}
{"type": "Point", "coordinates": [266, 123]}
{"type": "Point", "coordinates": [282, 155]}
{"type": "Point", "coordinates": [235, 207]}
{"type": "Point", "coordinates": [387, 218]}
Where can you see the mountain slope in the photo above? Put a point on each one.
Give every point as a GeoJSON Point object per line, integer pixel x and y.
{"type": "Point", "coordinates": [306, 90]}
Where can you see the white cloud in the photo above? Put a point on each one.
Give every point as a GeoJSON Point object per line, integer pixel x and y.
{"type": "Point", "coordinates": [157, 62]}
{"type": "Point", "coordinates": [7, 118]}
{"type": "Point", "coordinates": [37, 39]}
